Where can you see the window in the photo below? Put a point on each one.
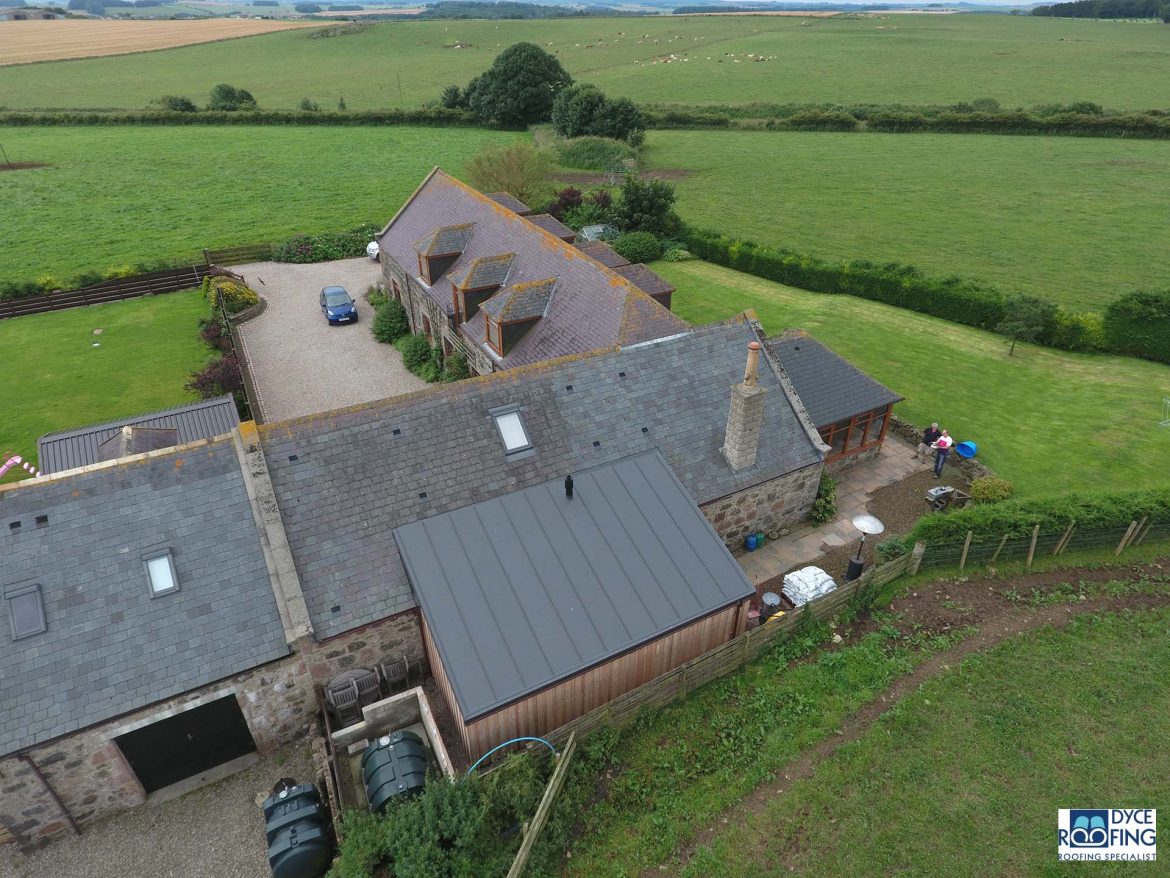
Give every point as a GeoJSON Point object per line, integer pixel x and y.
{"type": "Point", "coordinates": [492, 330]}
{"type": "Point", "coordinates": [511, 427]}
{"type": "Point", "coordinates": [26, 611]}
{"type": "Point", "coordinates": [160, 570]}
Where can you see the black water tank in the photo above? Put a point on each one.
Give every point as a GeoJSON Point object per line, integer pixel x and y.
{"type": "Point", "coordinates": [393, 765]}
{"type": "Point", "coordinates": [299, 843]}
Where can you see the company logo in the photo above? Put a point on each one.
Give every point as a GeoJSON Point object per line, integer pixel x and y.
{"type": "Point", "coordinates": [1106, 834]}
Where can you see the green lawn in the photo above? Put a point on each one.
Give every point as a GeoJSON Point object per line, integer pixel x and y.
{"type": "Point", "coordinates": [1077, 220]}
{"type": "Point", "coordinates": [964, 777]}
{"type": "Point", "coordinates": [1047, 420]}
{"type": "Point", "coordinates": [880, 59]}
{"type": "Point", "coordinates": [116, 196]}
{"type": "Point", "coordinates": [55, 379]}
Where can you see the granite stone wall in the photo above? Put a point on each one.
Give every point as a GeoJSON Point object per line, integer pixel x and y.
{"type": "Point", "coordinates": [766, 507]}
{"type": "Point", "coordinates": [365, 647]}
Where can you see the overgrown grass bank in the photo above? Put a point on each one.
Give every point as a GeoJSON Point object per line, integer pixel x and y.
{"type": "Point", "coordinates": [965, 776]}
{"type": "Point", "coordinates": [1047, 420]}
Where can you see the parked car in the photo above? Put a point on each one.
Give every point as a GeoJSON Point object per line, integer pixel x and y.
{"type": "Point", "coordinates": [372, 250]}
{"type": "Point", "coordinates": [338, 305]}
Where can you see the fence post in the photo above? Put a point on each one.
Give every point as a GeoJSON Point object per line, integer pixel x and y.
{"type": "Point", "coordinates": [206, 257]}
{"type": "Point", "coordinates": [1124, 538]}
{"type": "Point", "coordinates": [1063, 541]}
{"type": "Point", "coordinates": [998, 549]}
{"type": "Point", "coordinates": [916, 557]}
{"type": "Point", "coordinates": [966, 547]}
{"type": "Point", "coordinates": [1144, 534]}
{"type": "Point", "coordinates": [1032, 547]}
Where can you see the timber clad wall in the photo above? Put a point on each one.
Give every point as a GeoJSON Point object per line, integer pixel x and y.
{"type": "Point", "coordinates": [565, 701]}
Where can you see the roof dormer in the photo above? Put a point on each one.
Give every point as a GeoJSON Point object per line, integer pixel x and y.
{"type": "Point", "coordinates": [476, 283]}
{"type": "Point", "coordinates": [438, 251]}
{"type": "Point", "coordinates": [514, 310]}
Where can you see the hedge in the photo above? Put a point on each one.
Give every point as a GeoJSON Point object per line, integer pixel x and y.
{"type": "Point", "coordinates": [438, 116]}
{"type": "Point", "coordinates": [327, 246]}
{"type": "Point", "coordinates": [1139, 324]}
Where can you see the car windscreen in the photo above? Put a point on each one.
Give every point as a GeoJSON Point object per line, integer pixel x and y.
{"type": "Point", "coordinates": [336, 299]}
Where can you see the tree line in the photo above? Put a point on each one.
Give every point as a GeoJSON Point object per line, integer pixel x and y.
{"type": "Point", "coordinates": [1107, 9]}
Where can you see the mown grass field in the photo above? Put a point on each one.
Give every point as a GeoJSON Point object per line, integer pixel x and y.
{"type": "Point", "coordinates": [965, 776]}
{"type": "Point", "coordinates": [872, 59]}
{"type": "Point", "coordinates": [120, 196]}
{"type": "Point", "coordinates": [1047, 420]}
{"type": "Point", "coordinates": [1077, 220]}
{"type": "Point", "coordinates": [54, 378]}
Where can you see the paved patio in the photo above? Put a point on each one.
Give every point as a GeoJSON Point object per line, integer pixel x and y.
{"type": "Point", "coordinates": [856, 486]}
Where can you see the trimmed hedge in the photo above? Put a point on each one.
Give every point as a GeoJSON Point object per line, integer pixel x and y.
{"type": "Point", "coordinates": [327, 246]}
{"type": "Point", "coordinates": [1138, 324]}
{"type": "Point", "coordinates": [437, 116]}
{"type": "Point", "coordinates": [638, 247]}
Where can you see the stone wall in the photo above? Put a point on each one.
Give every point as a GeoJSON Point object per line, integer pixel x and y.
{"type": "Point", "coordinates": [766, 507]}
{"type": "Point", "coordinates": [835, 466]}
{"type": "Point", "coordinates": [971, 469]}
{"type": "Point", "coordinates": [92, 778]}
{"type": "Point", "coordinates": [366, 647]}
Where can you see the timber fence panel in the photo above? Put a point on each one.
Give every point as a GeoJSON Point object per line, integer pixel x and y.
{"type": "Point", "coordinates": [239, 255]}
{"type": "Point", "coordinates": [157, 282]}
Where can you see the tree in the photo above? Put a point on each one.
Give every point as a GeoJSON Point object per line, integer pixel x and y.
{"type": "Point", "coordinates": [583, 109]}
{"type": "Point", "coordinates": [519, 88]}
{"type": "Point", "coordinates": [1164, 13]}
{"type": "Point", "coordinates": [226, 97]}
{"type": "Point", "coordinates": [647, 206]}
{"type": "Point", "coordinates": [1026, 318]}
{"type": "Point", "coordinates": [516, 168]}
{"type": "Point", "coordinates": [309, 106]}
{"type": "Point", "coordinates": [453, 98]}
{"type": "Point", "coordinates": [177, 104]}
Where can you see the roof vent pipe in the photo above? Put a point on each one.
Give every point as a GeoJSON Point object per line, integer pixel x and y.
{"type": "Point", "coordinates": [569, 487]}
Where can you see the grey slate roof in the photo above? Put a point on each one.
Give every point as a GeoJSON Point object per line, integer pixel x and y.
{"type": "Point", "coordinates": [445, 241]}
{"type": "Point", "coordinates": [79, 447]}
{"type": "Point", "coordinates": [645, 279]}
{"type": "Point", "coordinates": [550, 223]}
{"type": "Point", "coordinates": [525, 301]}
{"type": "Point", "coordinates": [531, 587]}
{"type": "Point", "coordinates": [830, 387]}
{"type": "Point", "coordinates": [359, 471]}
{"type": "Point", "coordinates": [486, 271]}
{"type": "Point", "coordinates": [593, 308]}
{"type": "Point", "coordinates": [510, 201]}
{"type": "Point", "coordinates": [603, 253]}
{"type": "Point", "coordinates": [110, 647]}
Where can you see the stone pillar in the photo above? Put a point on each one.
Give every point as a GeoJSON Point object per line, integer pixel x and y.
{"type": "Point", "coordinates": [746, 418]}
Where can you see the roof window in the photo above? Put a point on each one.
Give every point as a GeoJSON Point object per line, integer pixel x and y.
{"type": "Point", "coordinates": [26, 611]}
{"type": "Point", "coordinates": [511, 427]}
{"type": "Point", "coordinates": [160, 570]}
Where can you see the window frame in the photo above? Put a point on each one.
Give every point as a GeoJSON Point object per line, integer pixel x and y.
{"type": "Point", "coordinates": [154, 555]}
{"type": "Point", "coordinates": [502, 412]}
{"type": "Point", "coordinates": [19, 591]}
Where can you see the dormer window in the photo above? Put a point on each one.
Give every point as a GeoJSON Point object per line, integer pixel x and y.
{"type": "Point", "coordinates": [511, 312]}
{"type": "Point", "coordinates": [26, 611]}
{"type": "Point", "coordinates": [439, 250]}
{"type": "Point", "coordinates": [160, 571]}
{"type": "Point", "coordinates": [511, 429]}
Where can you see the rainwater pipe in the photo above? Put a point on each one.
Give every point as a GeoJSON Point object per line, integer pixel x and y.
{"type": "Point", "coordinates": [16, 459]}
{"type": "Point", "coordinates": [505, 744]}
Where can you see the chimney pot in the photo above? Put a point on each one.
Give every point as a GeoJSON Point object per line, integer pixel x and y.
{"type": "Point", "coordinates": [751, 375]}
{"type": "Point", "coordinates": [569, 487]}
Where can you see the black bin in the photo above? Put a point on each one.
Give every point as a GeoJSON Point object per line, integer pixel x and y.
{"type": "Point", "coordinates": [299, 842]}
{"type": "Point", "coordinates": [393, 765]}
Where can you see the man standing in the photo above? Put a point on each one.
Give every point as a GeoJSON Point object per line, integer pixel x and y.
{"type": "Point", "coordinates": [942, 447]}
{"type": "Point", "coordinates": [929, 437]}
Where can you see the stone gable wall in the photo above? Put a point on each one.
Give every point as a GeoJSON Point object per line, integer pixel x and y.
{"type": "Point", "coordinates": [382, 641]}
{"type": "Point", "coordinates": [766, 507]}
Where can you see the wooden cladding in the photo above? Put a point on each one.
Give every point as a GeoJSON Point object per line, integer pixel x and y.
{"type": "Point", "coordinates": [856, 434]}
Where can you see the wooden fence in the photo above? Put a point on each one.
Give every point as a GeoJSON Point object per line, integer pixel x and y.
{"type": "Point", "coordinates": [169, 281]}
{"type": "Point", "coordinates": [238, 255]}
{"type": "Point", "coordinates": [731, 655]}
{"type": "Point", "coordinates": [532, 830]}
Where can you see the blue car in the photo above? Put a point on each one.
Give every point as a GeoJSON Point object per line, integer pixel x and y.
{"type": "Point", "coordinates": [338, 305]}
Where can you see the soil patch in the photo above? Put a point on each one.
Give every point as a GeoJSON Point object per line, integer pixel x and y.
{"type": "Point", "coordinates": [982, 601]}
{"type": "Point", "coordinates": [596, 178]}
{"type": "Point", "coordinates": [23, 166]}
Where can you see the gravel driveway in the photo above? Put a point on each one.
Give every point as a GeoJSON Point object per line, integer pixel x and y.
{"type": "Point", "coordinates": [301, 365]}
{"type": "Point", "coordinates": [216, 831]}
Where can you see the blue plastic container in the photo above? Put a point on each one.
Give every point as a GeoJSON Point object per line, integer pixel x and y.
{"type": "Point", "coordinates": [965, 450]}
{"type": "Point", "coordinates": [749, 542]}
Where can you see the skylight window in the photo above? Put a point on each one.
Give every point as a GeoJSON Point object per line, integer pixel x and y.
{"type": "Point", "coordinates": [511, 427]}
{"type": "Point", "coordinates": [160, 570]}
{"type": "Point", "coordinates": [26, 611]}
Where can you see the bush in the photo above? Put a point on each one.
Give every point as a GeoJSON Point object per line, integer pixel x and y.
{"type": "Point", "coordinates": [990, 489]}
{"type": "Point", "coordinates": [583, 110]}
{"type": "Point", "coordinates": [326, 247]}
{"type": "Point", "coordinates": [1084, 331]}
{"type": "Point", "coordinates": [647, 206]}
{"type": "Point", "coordinates": [825, 505]}
{"type": "Point", "coordinates": [215, 334]}
{"type": "Point", "coordinates": [309, 106]}
{"type": "Point", "coordinates": [233, 296]}
{"type": "Point", "coordinates": [227, 98]}
{"type": "Point", "coordinates": [1139, 324]}
{"type": "Point", "coordinates": [177, 104]}
{"type": "Point", "coordinates": [594, 153]}
{"type": "Point", "coordinates": [376, 297]}
{"type": "Point", "coordinates": [518, 168]}
{"type": "Point", "coordinates": [677, 254]}
{"type": "Point", "coordinates": [456, 368]}
{"type": "Point", "coordinates": [638, 246]}
{"type": "Point", "coordinates": [390, 323]}
{"type": "Point", "coordinates": [587, 214]}
{"type": "Point", "coordinates": [415, 350]}
{"type": "Point", "coordinates": [217, 378]}
{"type": "Point", "coordinates": [889, 549]}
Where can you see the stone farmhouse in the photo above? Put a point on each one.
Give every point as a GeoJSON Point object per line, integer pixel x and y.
{"type": "Point", "coordinates": [545, 537]}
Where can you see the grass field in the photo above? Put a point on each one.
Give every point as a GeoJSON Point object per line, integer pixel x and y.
{"type": "Point", "coordinates": [55, 379]}
{"type": "Point", "coordinates": [117, 196]}
{"type": "Point", "coordinates": [25, 41]}
{"type": "Point", "coordinates": [1046, 420]}
{"type": "Point", "coordinates": [965, 776]}
{"type": "Point", "coordinates": [1078, 220]}
{"type": "Point", "coordinates": [878, 59]}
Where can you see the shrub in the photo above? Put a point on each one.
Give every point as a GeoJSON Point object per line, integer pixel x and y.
{"type": "Point", "coordinates": [586, 214]}
{"type": "Point", "coordinates": [229, 99]}
{"type": "Point", "coordinates": [213, 332]}
{"type": "Point", "coordinates": [376, 297]}
{"type": "Point", "coordinates": [453, 98]}
{"type": "Point", "coordinates": [1084, 331]}
{"type": "Point", "coordinates": [990, 489]}
{"type": "Point", "coordinates": [518, 168]}
{"type": "Point", "coordinates": [647, 206]}
{"type": "Point", "coordinates": [233, 296]}
{"type": "Point", "coordinates": [325, 247]}
{"type": "Point", "coordinates": [456, 368]}
{"type": "Point", "coordinates": [889, 549]}
{"type": "Point", "coordinates": [415, 350]}
{"type": "Point", "coordinates": [594, 153]}
{"type": "Point", "coordinates": [177, 104]}
{"type": "Point", "coordinates": [677, 254]}
{"type": "Point", "coordinates": [1139, 324]}
{"type": "Point", "coordinates": [390, 323]}
{"type": "Point", "coordinates": [582, 110]}
{"type": "Point", "coordinates": [217, 378]}
{"type": "Point", "coordinates": [825, 505]}
{"type": "Point", "coordinates": [309, 106]}
{"type": "Point", "coordinates": [638, 246]}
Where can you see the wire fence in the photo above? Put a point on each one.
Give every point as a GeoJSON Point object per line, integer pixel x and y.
{"type": "Point", "coordinates": [982, 550]}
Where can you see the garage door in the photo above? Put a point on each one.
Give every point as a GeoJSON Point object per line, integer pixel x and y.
{"type": "Point", "coordinates": [187, 744]}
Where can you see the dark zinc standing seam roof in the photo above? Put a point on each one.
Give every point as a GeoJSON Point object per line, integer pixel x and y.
{"type": "Point", "coordinates": [109, 647]}
{"type": "Point", "coordinates": [831, 388]}
{"type": "Point", "coordinates": [346, 479]}
{"type": "Point", "coordinates": [79, 447]}
{"type": "Point", "coordinates": [533, 587]}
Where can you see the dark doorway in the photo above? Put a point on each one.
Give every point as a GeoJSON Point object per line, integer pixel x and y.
{"type": "Point", "coordinates": [186, 744]}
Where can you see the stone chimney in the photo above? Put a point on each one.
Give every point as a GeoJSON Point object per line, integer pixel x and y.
{"type": "Point", "coordinates": [746, 417]}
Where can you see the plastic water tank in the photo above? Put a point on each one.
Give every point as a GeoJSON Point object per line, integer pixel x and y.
{"type": "Point", "coordinates": [393, 765]}
{"type": "Point", "coordinates": [297, 829]}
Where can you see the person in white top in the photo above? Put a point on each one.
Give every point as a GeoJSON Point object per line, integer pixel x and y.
{"type": "Point", "coordinates": [942, 448]}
